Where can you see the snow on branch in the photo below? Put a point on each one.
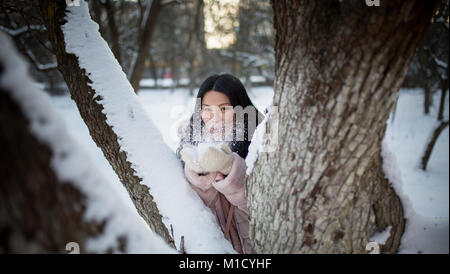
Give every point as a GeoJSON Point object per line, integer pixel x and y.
{"type": "Point", "coordinates": [151, 158]}
{"type": "Point", "coordinates": [72, 164]}
{"type": "Point", "coordinates": [37, 65]}
{"type": "Point", "coordinates": [22, 30]}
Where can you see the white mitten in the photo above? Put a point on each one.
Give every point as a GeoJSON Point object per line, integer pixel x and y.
{"type": "Point", "coordinates": [216, 159]}
{"type": "Point", "coordinates": [189, 155]}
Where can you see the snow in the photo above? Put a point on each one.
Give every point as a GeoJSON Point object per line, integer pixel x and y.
{"type": "Point", "coordinates": [202, 148]}
{"type": "Point", "coordinates": [21, 30]}
{"type": "Point", "coordinates": [41, 66]}
{"type": "Point", "coordinates": [150, 145]}
{"type": "Point", "coordinates": [151, 158]}
{"type": "Point", "coordinates": [162, 82]}
{"type": "Point", "coordinates": [439, 62]}
{"type": "Point", "coordinates": [256, 144]}
{"type": "Point", "coordinates": [381, 237]}
{"type": "Point", "coordinates": [424, 193]}
{"type": "Point", "coordinates": [393, 174]}
{"type": "Point", "coordinates": [71, 163]}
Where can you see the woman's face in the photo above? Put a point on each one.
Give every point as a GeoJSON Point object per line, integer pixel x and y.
{"type": "Point", "coordinates": [217, 113]}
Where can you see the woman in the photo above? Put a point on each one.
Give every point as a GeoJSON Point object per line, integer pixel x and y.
{"type": "Point", "coordinates": [224, 115]}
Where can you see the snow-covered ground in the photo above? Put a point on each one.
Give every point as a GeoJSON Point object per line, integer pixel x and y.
{"type": "Point", "coordinates": [406, 136]}
{"type": "Point", "coordinates": [428, 191]}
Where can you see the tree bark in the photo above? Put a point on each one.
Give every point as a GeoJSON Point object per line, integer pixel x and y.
{"type": "Point", "coordinates": [437, 131]}
{"type": "Point", "coordinates": [339, 66]}
{"type": "Point", "coordinates": [144, 45]}
{"type": "Point", "coordinates": [91, 111]}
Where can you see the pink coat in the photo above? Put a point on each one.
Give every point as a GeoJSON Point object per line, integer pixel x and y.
{"type": "Point", "coordinates": [226, 197]}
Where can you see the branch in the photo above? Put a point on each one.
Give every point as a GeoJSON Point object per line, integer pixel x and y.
{"type": "Point", "coordinates": [22, 30]}
{"type": "Point", "coordinates": [35, 63]}
{"type": "Point", "coordinates": [430, 146]}
{"type": "Point", "coordinates": [47, 211]}
{"type": "Point", "coordinates": [168, 3]}
{"type": "Point", "coordinates": [91, 110]}
{"type": "Point", "coordinates": [118, 124]}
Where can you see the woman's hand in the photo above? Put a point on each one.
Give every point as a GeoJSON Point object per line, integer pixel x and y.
{"type": "Point", "coordinates": [202, 181]}
{"type": "Point", "coordinates": [189, 156]}
{"type": "Point", "coordinates": [233, 185]}
{"type": "Point", "coordinates": [215, 159]}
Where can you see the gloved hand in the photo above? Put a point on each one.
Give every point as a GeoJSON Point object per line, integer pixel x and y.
{"type": "Point", "coordinates": [189, 156]}
{"type": "Point", "coordinates": [217, 159]}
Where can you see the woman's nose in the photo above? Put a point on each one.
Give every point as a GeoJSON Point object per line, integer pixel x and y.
{"type": "Point", "coordinates": [217, 117]}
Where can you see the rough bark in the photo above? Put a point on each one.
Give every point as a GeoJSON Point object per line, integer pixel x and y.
{"type": "Point", "coordinates": [38, 213]}
{"type": "Point", "coordinates": [144, 45]}
{"type": "Point", "coordinates": [91, 112]}
{"type": "Point", "coordinates": [339, 66]}
{"type": "Point", "coordinates": [437, 131]}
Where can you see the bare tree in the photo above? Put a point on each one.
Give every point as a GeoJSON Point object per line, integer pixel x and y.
{"type": "Point", "coordinates": [145, 37]}
{"type": "Point", "coordinates": [429, 69]}
{"type": "Point", "coordinates": [19, 20]}
{"type": "Point", "coordinates": [339, 66]}
{"type": "Point", "coordinates": [433, 57]}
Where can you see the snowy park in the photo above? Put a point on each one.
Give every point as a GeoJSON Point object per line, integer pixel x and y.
{"type": "Point", "coordinates": [425, 192]}
{"type": "Point", "coordinates": [224, 127]}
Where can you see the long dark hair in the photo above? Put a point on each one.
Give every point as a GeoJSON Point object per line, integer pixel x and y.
{"type": "Point", "coordinates": [237, 94]}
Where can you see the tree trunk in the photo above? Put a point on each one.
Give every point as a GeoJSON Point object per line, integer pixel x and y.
{"type": "Point", "coordinates": [154, 70]}
{"type": "Point", "coordinates": [444, 88]}
{"type": "Point", "coordinates": [339, 66]}
{"type": "Point", "coordinates": [38, 212]}
{"type": "Point", "coordinates": [110, 11]}
{"type": "Point", "coordinates": [144, 45]}
{"type": "Point", "coordinates": [91, 111]}
{"type": "Point", "coordinates": [437, 131]}
{"type": "Point", "coordinates": [97, 16]}
{"type": "Point", "coordinates": [195, 45]}
{"type": "Point", "coordinates": [427, 99]}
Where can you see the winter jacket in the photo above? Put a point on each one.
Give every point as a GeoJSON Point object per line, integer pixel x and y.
{"type": "Point", "coordinates": [226, 197]}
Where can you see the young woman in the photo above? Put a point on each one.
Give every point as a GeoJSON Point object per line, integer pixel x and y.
{"type": "Point", "coordinates": [223, 115]}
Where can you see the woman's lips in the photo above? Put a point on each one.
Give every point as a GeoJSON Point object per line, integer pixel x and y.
{"type": "Point", "coordinates": [214, 130]}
